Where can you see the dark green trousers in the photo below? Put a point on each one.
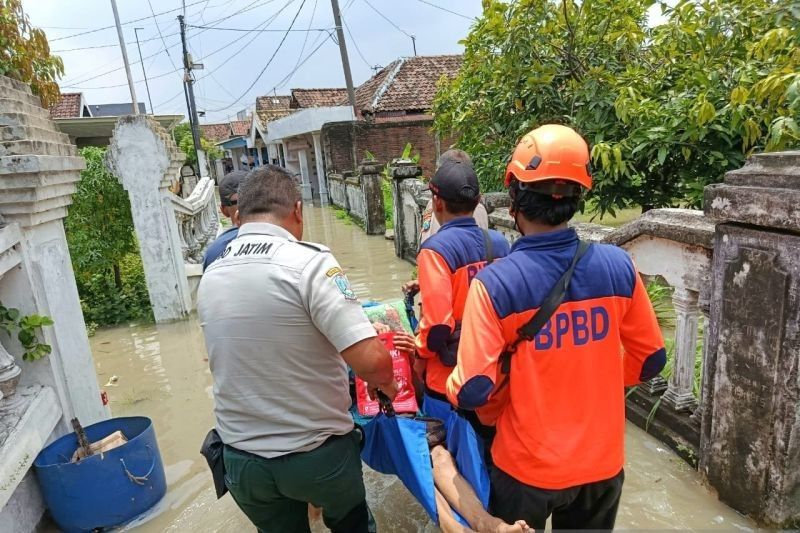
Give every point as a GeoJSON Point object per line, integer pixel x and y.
{"type": "Point", "coordinates": [275, 493]}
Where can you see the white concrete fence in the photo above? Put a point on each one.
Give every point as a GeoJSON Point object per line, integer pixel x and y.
{"type": "Point", "coordinates": [39, 169]}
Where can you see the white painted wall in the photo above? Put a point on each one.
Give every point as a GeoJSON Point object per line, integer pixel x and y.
{"type": "Point", "coordinates": [306, 121]}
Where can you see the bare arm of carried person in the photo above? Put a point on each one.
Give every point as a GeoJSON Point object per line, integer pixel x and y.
{"type": "Point", "coordinates": [370, 360]}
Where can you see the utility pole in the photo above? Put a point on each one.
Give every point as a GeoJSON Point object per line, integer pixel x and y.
{"type": "Point", "coordinates": [414, 44]}
{"type": "Point", "coordinates": [348, 78]}
{"type": "Point", "coordinates": [125, 58]}
{"type": "Point", "coordinates": [188, 81]}
{"type": "Point", "coordinates": [147, 86]}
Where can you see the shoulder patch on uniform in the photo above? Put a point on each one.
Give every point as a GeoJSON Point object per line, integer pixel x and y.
{"type": "Point", "coordinates": [342, 283]}
{"type": "Point", "coordinates": [314, 246]}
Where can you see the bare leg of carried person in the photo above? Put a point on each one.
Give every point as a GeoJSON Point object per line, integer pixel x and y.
{"type": "Point", "coordinates": [453, 491]}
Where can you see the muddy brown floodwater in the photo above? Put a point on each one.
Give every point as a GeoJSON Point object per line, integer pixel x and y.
{"type": "Point", "coordinates": [163, 374]}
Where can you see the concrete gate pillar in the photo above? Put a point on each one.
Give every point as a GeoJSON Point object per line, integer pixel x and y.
{"type": "Point", "coordinates": [145, 159]}
{"type": "Point", "coordinates": [319, 158]}
{"type": "Point", "coordinates": [405, 184]}
{"type": "Point", "coordinates": [750, 439]}
{"type": "Point", "coordinates": [375, 215]}
{"type": "Point", "coordinates": [305, 185]}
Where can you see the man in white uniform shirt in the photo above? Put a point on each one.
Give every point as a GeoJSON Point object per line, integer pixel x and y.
{"type": "Point", "coordinates": [282, 324]}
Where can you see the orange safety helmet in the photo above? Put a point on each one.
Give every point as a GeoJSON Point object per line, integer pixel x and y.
{"type": "Point", "coordinates": [551, 153]}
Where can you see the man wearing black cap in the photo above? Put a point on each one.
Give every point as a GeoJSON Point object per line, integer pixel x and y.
{"type": "Point", "coordinates": [228, 198]}
{"type": "Point", "coordinates": [447, 263]}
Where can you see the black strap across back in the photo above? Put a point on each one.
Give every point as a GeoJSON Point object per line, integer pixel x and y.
{"type": "Point", "coordinates": [542, 315]}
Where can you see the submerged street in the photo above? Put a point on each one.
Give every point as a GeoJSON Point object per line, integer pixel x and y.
{"type": "Point", "coordinates": [162, 372]}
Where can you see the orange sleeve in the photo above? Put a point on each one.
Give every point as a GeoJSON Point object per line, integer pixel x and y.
{"type": "Point", "coordinates": [641, 337]}
{"type": "Point", "coordinates": [436, 298]}
{"type": "Point", "coordinates": [482, 341]}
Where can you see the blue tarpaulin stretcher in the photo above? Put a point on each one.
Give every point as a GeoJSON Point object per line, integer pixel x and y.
{"type": "Point", "coordinates": [398, 446]}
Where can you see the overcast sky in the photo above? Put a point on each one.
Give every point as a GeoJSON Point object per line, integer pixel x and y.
{"type": "Point", "coordinates": [230, 71]}
{"type": "Point", "coordinates": [234, 59]}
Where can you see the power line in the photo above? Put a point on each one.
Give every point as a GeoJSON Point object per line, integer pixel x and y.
{"type": "Point", "coordinates": [263, 24]}
{"type": "Point", "coordinates": [245, 9]}
{"type": "Point", "coordinates": [95, 30]}
{"type": "Point", "coordinates": [263, 31]}
{"type": "Point", "coordinates": [250, 6]}
{"type": "Point", "coordinates": [280, 44]}
{"type": "Point", "coordinates": [288, 77]}
{"type": "Point", "coordinates": [387, 19]}
{"type": "Point", "coordinates": [358, 49]}
{"type": "Point", "coordinates": [157, 76]}
{"type": "Point", "coordinates": [299, 64]}
{"type": "Point", "coordinates": [445, 9]}
{"type": "Point", "coordinates": [305, 40]}
{"type": "Point", "coordinates": [166, 48]}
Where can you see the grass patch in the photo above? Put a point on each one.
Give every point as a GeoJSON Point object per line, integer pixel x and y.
{"type": "Point", "coordinates": [620, 217]}
{"type": "Point", "coordinates": [388, 203]}
{"type": "Point", "coordinates": [347, 218]}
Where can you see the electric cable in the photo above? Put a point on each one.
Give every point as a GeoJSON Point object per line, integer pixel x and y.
{"type": "Point", "coordinates": [269, 62]}
{"type": "Point", "coordinates": [445, 9]}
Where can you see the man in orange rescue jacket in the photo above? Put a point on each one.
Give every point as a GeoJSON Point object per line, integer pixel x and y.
{"type": "Point", "coordinates": [559, 447]}
{"type": "Point", "coordinates": [448, 262]}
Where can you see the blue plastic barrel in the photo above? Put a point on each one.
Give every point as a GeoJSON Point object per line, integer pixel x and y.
{"type": "Point", "coordinates": [107, 489]}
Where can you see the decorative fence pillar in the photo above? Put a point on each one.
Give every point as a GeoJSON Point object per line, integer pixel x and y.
{"type": "Point", "coordinates": [371, 180]}
{"type": "Point", "coordinates": [405, 189]}
{"type": "Point", "coordinates": [146, 160]}
{"type": "Point", "coordinates": [680, 391]}
{"type": "Point", "coordinates": [750, 437]}
{"type": "Point", "coordinates": [39, 169]}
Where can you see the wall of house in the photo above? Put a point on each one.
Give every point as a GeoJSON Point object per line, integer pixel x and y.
{"type": "Point", "coordinates": [385, 140]}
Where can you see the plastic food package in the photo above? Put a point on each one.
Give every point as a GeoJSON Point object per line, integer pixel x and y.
{"type": "Point", "coordinates": [405, 401]}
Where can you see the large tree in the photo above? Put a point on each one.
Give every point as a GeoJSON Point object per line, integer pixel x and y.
{"type": "Point", "coordinates": [651, 102]}
{"type": "Point", "coordinates": [25, 53]}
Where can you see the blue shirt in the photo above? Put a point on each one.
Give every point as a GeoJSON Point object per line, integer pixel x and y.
{"type": "Point", "coordinates": [216, 248]}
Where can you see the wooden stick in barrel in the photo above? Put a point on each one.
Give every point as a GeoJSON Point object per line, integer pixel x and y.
{"type": "Point", "coordinates": [83, 442]}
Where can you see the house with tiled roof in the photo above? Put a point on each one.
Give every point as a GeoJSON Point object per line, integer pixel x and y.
{"type": "Point", "coordinates": [305, 98]}
{"type": "Point", "coordinates": [286, 131]}
{"type": "Point", "coordinates": [93, 124]}
{"type": "Point", "coordinates": [215, 132]}
{"type": "Point", "coordinates": [394, 106]}
{"type": "Point", "coordinates": [318, 132]}
{"type": "Point", "coordinates": [70, 105]}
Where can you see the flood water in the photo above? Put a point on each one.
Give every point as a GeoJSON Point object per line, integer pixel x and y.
{"type": "Point", "coordinates": [162, 372]}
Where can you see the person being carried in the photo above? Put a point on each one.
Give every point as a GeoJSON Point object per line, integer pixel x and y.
{"type": "Point", "coordinates": [281, 324]}
{"type": "Point", "coordinates": [447, 264]}
{"type": "Point", "coordinates": [228, 198]}
{"type": "Point", "coordinates": [560, 438]}
{"type": "Point", "coordinates": [451, 490]}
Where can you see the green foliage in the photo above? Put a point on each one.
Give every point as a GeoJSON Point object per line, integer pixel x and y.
{"type": "Point", "coordinates": [25, 53]}
{"type": "Point", "coordinates": [12, 321]}
{"type": "Point", "coordinates": [103, 248]}
{"type": "Point", "coordinates": [667, 110]}
{"type": "Point", "coordinates": [369, 156]}
{"type": "Point", "coordinates": [99, 226]}
{"type": "Point", "coordinates": [388, 203]}
{"type": "Point", "coordinates": [182, 134]}
{"type": "Point", "coordinates": [407, 154]}
{"type": "Point", "coordinates": [104, 304]}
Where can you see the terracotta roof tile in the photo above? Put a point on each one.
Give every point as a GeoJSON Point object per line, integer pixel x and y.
{"type": "Point", "coordinates": [68, 106]}
{"type": "Point", "coordinates": [215, 132]}
{"type": "Point", "coordinates": [241, 128]}
{"type": "Point", "coordinates": [272, 107]}
{"type": "Point", "coordinates": [302, 98]}
{"type": "Point", "coordinates": [408, 84]}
